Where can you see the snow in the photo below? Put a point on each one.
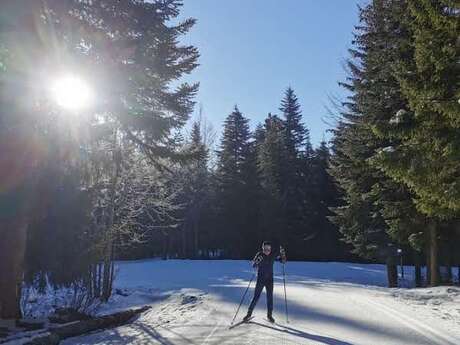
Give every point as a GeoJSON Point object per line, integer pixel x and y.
{"type": "Point", "coordinates": [398, 117]}
{"type": "Point", "coordinates": [388, 149]}
{"type": "Point", "coordinates": [442, 301]}
{"type": "Point", "coordinates": [193, 302]}
{"type": "Point", "coordinates": [24, 338]}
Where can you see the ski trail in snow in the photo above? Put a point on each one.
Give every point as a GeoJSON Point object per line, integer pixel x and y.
{"type": "Point", "coordinates": [204, 296]}
{"type": "Point", "coordinates": [432, 334]}
{"type": "Point", "coordinates": [212, 332]}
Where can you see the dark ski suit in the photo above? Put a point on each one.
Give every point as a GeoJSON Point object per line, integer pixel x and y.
{"type": "Point", "coordinates": [264, 264]}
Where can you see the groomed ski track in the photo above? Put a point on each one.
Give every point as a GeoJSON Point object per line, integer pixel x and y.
{"type": "Point", "coordinates": [329, 303]}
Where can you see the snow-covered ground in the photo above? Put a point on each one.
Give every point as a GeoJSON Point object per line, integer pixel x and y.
{"type": "Point", "coordinates": [193, 302]}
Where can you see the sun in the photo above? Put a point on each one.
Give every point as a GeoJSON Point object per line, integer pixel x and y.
{"type": "Point", "coordinates": [71, 92]}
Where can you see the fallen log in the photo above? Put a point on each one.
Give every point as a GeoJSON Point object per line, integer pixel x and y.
{"type": "Point", "coordinates": [54, 334]}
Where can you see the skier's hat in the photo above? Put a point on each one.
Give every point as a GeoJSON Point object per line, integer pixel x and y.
{"type": "Point", "coordinates": [266, 243]}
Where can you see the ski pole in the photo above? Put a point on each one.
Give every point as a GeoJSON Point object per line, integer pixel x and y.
{"type": "Point", "coordinates": [285, 296]}
{"type": "Point", "coordinates": [242, 298]}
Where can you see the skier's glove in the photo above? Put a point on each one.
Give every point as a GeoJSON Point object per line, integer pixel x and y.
{"type": "Point", "coordinates": [257, 260]}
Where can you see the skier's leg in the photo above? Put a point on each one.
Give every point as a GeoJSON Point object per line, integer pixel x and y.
{"type": "Point", "coordinates": [257, 292]}
{"type": "Point", "coordinates": [269, 290]}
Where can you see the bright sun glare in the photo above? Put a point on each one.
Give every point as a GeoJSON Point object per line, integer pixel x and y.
{"type": "Point", "coordinates": [71, 92]}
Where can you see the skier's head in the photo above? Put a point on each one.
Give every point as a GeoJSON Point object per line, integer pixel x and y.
{"type": "Point", "coordinates": [266, 247]}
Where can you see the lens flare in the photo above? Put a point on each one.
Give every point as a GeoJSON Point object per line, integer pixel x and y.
{"type": "Point", "coordinates": [71, 92]}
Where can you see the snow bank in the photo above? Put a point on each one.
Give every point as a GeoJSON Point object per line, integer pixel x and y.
{"type": "Point", "coordinates": [442, 301]}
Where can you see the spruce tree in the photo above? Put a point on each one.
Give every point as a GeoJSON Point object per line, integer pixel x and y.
{"type": "Point", "coordinates": [232, 174]}
{"type": "Point", "coordinates": [374, 92]}
{"type": "Point", "coordinates": [429, 81]}
{"type": "Point", "coordinates": [325, 238]}
{"type": "Point", "coordinates": [196, 192]}
{"type": "Point", "coordinates": [270, 159]}
{"type": "Point", "coordinates": [296, 188]}
{"type": "Point", "coordinates": [297, 135]}
{"type": "Point", "coordinates": [129, 50]}
{"type": "Point", "coordinates": [426, 128]}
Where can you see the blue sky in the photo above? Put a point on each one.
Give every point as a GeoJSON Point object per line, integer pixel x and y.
{"type": "Point", "coordinates": [252, 50]}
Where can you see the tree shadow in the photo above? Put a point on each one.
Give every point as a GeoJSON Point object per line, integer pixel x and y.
{"type": "Point", "coordinates": [302, 334]}
{"type": "Point", "coordinates": [304, 311]}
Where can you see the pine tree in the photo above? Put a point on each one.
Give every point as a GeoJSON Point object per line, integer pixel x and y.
{"type": "Point", "coordinates": [428, 74]}
{"type": "Point", "coordinates": [429, 81]}
{"type": "Point", "coordinates": [270, 159]}
{"type": "Point", "coordinates": [358, 217]}
{"type": "Point", "coordinates": [232, 174]}
{"type": "Point", "coordinates": [325, 241]}
{"type": "Point", "coordinates": [196, 192]}
{"type": "Point", "coordinates": [374, 92]}
{"type": "Point", "coordinates": [297, 135]}
{"type": "Point", "coordinates": [130, 51]}
{"type": "Point", "coordinates": [296, 188]}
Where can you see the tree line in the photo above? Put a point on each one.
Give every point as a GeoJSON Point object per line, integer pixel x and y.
{"type": "Point", "coordinates": [396, 146]}
{"type": "Point", "coordinates": [123, 179]}
{"type": "Point", "coordinates": [80, 189]}
{"type": "Point", "coordinates": [269, 183]}
{"type": "Point", "coordinates": [78, 186]}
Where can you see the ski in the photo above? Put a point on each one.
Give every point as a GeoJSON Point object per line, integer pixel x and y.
{"type": "Point", "coordinates": [240, 323]}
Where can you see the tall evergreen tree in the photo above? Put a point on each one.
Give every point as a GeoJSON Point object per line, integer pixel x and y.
{"type": "Point", "coordinates": [427, 72]}
{"type": "Point", "coordinates": [374, 92]}
{"type": "Point", "coordinates": [358, 217]}
{"type": "Point", "coordinates": [232, 174]}
{"type": "Point", "coordinates": [325, 238]}
{"type": "Point", "coordinates": [132, 53]}
{"type": "Point", "coordinates": [196, 191]}
{"type": "Point", "coordinates": [270, 164]}
{"type": "Point", "coordinates": [296, 188]}
{"type": "Point", "coordinates": [430, 82]}
{"type": "Point", "coordinates": [297, 135]}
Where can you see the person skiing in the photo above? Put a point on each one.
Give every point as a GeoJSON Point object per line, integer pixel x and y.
{"type": "Point", "coordinates": [264, 261]}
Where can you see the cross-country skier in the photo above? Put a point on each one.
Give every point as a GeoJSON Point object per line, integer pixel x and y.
{"type": "Point", "coordinates": [263, 261]}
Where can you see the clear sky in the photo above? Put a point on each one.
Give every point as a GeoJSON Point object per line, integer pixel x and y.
{"type": "Point", "coordinates": [252, 50]}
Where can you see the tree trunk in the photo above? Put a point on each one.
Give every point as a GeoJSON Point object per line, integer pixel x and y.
{"type": "Point", "coordinates": [184, 240]}
{"type": "Point", "coordinates": [449, 277]}
{"type": "Point", "coordinates": [428, 267]}
{"type": "Point", "coordinates": [434, 260]}
{"type": "Point", "coordinates": [110, 238]}
{"type": "Point", "coordinates": [12, 249]}
{"type": "Point", "coordinates": [392, 273]}
{"type": "Point", "coordinates": [418, 275]}
{"type": "Point", "coordinates": [106, 292]}
{"type": "Point", "coordinates": [451, 258]}
{"type": "Point", "coordinates": [99, 279]}
{"type": "Point", "coordinates": [418, 262]}
{"type": "Point", "coordinates": [196, 237]}
{"type": "Point", "coordinates": [165, 246]}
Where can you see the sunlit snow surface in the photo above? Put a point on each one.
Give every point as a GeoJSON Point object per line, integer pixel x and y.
{"type": "Point", "coordinates": [193, 302]}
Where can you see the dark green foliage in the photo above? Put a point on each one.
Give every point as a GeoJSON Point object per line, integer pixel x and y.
{"type": "Point", "coordinates": [395, 149]}
{"type": "Point", "coordinates": [275, 187]}
{"type": "Point", "coordinates": [61, 236]}
{"type": "Point", "coordinates": [429, 80]}
{"type": "Point", "coordinates": [375, 92]}
{"type": "Point", "coordinates": [271, 155]}
{"type": "Point", "coordinates": [358, 217]}
{"type": "Point", "coordinates": [130, 54]}
{"type": "Point", "coordinates": [234, 176]}
{"type": "Point", "coordinates": [297, 135]}
{"type": "Point", "coordinates": [324, 195]}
